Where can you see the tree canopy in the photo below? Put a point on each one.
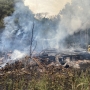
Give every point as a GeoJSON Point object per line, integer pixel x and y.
{"type": "Point", "coordinates": [6, 9]}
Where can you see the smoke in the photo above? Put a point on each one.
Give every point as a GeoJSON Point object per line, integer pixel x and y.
{"type": "Point", "coordinates": [17, 55]}
{"type": "Point", "coordinates": [48, 32]}
{"type": "Point", "coordinates": [17, 28]}
{"type": "Point", "coordinates": [50, 6]}
{"type": "Point", "coordinates": [75, 16]}
{"type": "Point", "coordinates": [18, 31]}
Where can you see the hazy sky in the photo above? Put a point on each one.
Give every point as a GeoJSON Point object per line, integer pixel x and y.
{"type": "Point", "coordinates": [51, 6]}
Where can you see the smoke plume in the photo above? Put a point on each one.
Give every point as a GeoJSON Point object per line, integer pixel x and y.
{"type": "Point", "coordinates": [48, 32]}
{"type": "Point", "coordinates": [18, 31]}
{"type": "Point", "coordinates": [75, 16]}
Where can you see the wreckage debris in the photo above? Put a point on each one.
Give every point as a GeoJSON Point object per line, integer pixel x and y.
{"type": "Point", "coordinates": [49, 59]}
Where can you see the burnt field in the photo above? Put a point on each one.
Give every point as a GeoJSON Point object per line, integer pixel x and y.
{"type": "Point", "coordinates": [18, 77]}
{"type": "Point", "coordinates": [49, 70]}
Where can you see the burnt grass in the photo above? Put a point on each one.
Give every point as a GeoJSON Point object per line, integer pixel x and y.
{"type": "Point", "coordinates": [32, 77]}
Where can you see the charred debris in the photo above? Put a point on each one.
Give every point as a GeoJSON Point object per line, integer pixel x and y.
{"type": "Point", "coordinates": [49, 58]}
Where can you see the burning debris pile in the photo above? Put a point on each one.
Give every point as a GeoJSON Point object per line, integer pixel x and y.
{"type": "Point", "coordinates": [66, 59]}
{"type": "Point", "coordinates": [46, 59]}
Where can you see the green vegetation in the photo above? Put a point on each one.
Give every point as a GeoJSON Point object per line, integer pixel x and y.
{"type": "Point", "coordinates": [51, 79]}
{"type": "Point", "coordinates": [6, 9]}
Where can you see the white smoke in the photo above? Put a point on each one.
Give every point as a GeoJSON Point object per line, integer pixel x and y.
{"type": "Point", "coordinates": [75, 16]}
{"type": "Point", "coordinates": [48, 33]}
{"type": "Point", "coordinates": [17, 55]}
{"type": "Point", "coordinates": [18, 27]}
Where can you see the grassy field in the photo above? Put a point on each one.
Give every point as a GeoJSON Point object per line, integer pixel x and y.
{"type": "Point", "coordinates": [54, 78]}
